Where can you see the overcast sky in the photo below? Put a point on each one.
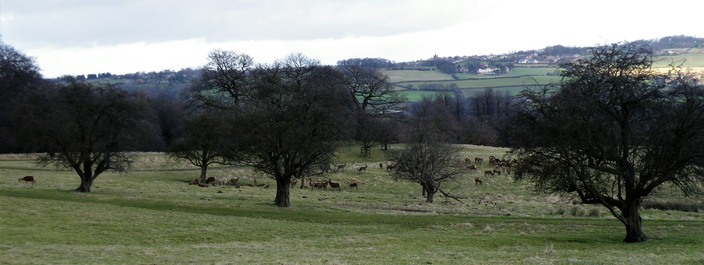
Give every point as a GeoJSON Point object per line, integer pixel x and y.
{"type": "Point", "coordinates": [120, 36]}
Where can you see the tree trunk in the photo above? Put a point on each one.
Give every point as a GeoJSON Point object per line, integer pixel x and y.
{"type": "Point", "coordinates": [430, 195]}
{"type": "Point", "coordinates": [283, 192]}
{"type": "Point", "coordinates": [203, 173]}
{"type": "Point", "coordinates": [86, 183]}
{"type": "Point", "coordinates": [633, 222]}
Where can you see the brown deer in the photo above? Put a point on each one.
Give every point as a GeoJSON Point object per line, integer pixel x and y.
{"type": "Point", "coordinates": [364, 168]}
{"type": "Point", "coordinates": [353, 185]}
{"type": "Point", "coordinates": [488, 172]}
{"type": "Point", "coordinates": [341, 168]}
{"type": "Point", "coordinates": [478, 181]}
{"type": "Point", "coordinates": [390, 167]}
{"type": "Point", "coordinates": [28, 179]}
{"type": "Point", "coordinates": [334, 185]}
{"type": "Point", "coordinates": [210, 180]}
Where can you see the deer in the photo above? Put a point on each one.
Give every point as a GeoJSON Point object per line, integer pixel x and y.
{"type": "Point", "coordinates": [478, 181]}
{"type": "Point", "coordinates": [353, 185]}
{"type": "Point", "coordinates": [334, 185]}
{"type": "Point", "coordinates": [364, 168]}
{"type": "Point", "coordinates": [497, 171]}
{"type": "Point", "coordinates": [341, 168]}
{"type": "Point", "coordinates": [488, 172]}
{"type": "Point", "coordinates": [28, 179]}
{"type": "Point", "coordinates": [210, 180]}
{"type": "Point", "coordinates": [390, 167]}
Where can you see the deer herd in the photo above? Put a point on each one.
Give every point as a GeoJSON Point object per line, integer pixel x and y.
{"type": "Point", "coordinates": [496, 168]}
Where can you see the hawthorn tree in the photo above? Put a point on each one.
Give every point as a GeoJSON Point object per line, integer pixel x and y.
{"type": "Point", "coordinates": [612, 131]}
{"type": "Point", "coordinates": [90, 128]}
{"type": "Point", "coordinates": [206, 141]}
{"type": "Point", "coordinates": [294, 119]}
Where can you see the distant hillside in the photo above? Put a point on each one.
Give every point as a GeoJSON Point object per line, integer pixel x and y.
{"type": "Point", "coordinates": [504, 73]}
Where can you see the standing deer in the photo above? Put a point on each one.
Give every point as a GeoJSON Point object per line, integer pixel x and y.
{"type": "Point", "coordinates": [341, 168]}
{"type": "Point", "coordinates": [334, 185]}
{"type": "Point", "coordinates": [364, 168]}
{"type": "Point", "coordinates": [478, 180]}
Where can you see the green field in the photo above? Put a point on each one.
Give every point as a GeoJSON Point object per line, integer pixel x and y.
{"type": "Point", "coordinates": [152, 216]}
{"type": "Point", "coordinates": [409, 82]}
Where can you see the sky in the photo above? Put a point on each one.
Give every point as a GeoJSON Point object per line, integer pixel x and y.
{"type": "Point", "coordinates": [72, 37]}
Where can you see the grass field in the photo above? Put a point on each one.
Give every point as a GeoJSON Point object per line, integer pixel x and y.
{"type": "Point", "coordinates": [519, 78]}
{"type": "Point", "coordinates": [152, 216]}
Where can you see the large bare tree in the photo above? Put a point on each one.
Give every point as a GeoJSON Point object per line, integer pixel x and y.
{"type": "Point", "coordinates": [90, 129]}
{"type": "Point", "coordinates": [293, 122]}
{"type": "Point", "coordinates": [373, 97]}
{"type": "Point", "coordinates": [612, 131]}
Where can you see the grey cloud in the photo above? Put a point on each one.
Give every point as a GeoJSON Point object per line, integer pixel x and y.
{"type": "Point", "coordinates": [89, 23]}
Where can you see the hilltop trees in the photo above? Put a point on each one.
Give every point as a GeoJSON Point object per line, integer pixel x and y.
{"type": "Point", "coordinates": [613, 131]}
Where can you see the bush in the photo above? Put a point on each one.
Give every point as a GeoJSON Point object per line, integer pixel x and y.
{"type": "Point", "coordinates": [675, 204]}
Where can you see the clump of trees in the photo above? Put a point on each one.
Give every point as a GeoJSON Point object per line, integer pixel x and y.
{"type": "Point", "coordinates": [612, 131]}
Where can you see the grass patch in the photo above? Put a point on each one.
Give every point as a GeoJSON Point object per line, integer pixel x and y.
{"type": "Point", "coordinates": [151, 215]}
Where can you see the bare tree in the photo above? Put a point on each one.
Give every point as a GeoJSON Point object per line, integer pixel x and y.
{"type": "Point", "coordinates": [372, 96]}
{"type": "Point", "coordinates": [89, 129]}
{"type": "Point", "coordinates": [293, 124]}
{"type": "Point", "coordinates": [612, 131]}
{"type": "Point", "coordinates": [206, 141]}
{"type": "Point", "coordinates": [426, 160]}
{"type": "Point", "coordinates": [224, 81]}
{"type": "Point", "coordinates": [19, 84]}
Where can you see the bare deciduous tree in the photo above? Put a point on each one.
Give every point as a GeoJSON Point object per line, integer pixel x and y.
{"type": "Point", "coordinates": [90, 129]}
{"type": "Point", "coordinates": [612, 131]}
{"type": "Point", "coordinates": [427, 162]}
{"type": "Point", "coordinates": [372, 96]}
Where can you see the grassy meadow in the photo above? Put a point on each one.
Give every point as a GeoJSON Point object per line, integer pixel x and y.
{"type": "Point", "coordinates": [152, 216]}
{"type": "Point", "coordinates": [520, 77]}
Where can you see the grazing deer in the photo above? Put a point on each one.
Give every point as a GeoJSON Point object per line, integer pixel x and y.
{"type": "Point", "coordinates": [195, 181]}
{"type": "Point", "coordinates": [28, 179]}
{"type": "Point", "coordinates": [353, 185]}
{"type": "Point", "coordinates": [488, 172]}
{"type": "Point", "coordinates": [472, 167]}
{"type": "Point", "coordinates": [497, 171]}
{"type": "Point", "coordinates": [210, 180]}
{"type": "Point", "coordinates": [390, 167]}
{"type": "Point", "coordinates": [364, 168]}
{"type": "Point", "coordinates": [478, 160]}
{"type": "Point", "coordinates": [341, 168]}
{"type": "Point", "coordinates": [334, 185]}
{"type": "Point", "coordinates": [478, 181]}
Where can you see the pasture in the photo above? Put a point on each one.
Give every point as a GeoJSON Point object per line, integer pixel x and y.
{"type": "Point", "coordinates": [152, 216]}
{"type": "Point", "coordinates": [409, 82]}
